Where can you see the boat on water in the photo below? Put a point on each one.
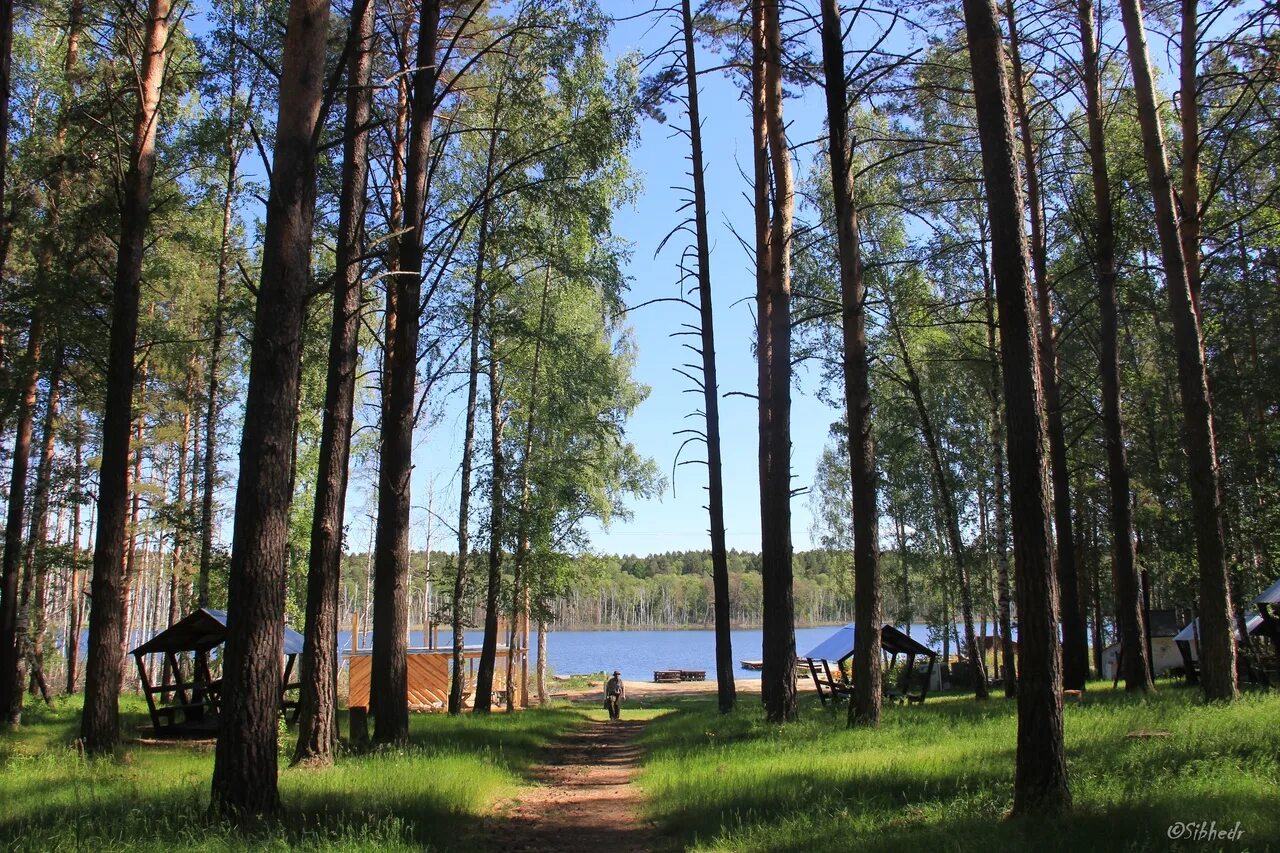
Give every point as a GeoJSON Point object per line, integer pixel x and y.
{"type": "Point", "coordinates": [752, 665]}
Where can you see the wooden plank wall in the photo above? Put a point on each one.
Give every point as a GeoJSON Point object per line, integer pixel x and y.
{"type": "Point", "coordinates": [428, 681]}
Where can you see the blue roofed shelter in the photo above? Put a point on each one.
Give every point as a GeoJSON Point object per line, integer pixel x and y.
{"type": "Point", "coordinates": [838, 648]}
{"type": "Point", "coordinates": [1269, 609]}
{"type": "Point", "coordinates": [182, 706]}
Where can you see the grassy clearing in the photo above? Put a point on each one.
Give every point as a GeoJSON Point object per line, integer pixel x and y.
{"type": "Point", "coordinates": [939, 777]}
{"type": "Point", "coordinates": [156, 797]}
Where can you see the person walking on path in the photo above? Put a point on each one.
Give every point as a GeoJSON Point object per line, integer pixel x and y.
{"type": "Point", "coordinates": [613, 692]}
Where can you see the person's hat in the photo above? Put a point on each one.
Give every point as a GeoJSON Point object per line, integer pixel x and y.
{"type": "Point", "coordinates": [615, 672]}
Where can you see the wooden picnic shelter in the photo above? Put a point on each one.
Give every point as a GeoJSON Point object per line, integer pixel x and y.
{"type": "Point", "coordinates": [185, 701]}
{"type": "Point", "coordinates": [838, 649]}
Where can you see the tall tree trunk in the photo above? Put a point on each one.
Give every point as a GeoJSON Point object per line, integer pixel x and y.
{"type": "Point", "coordinates": [1040, 776]}
{"type": "Point", "coordinates": [6, 63]}
{"type": "Point", "coordinates": [483, 701]}
{"type": "Point", "coordinates": [543, 698]}
{"type": "Point", "coordinates": [1189, 106]}
{"type": "Point", "coordinates": [210, 461]}
{"type": "Point", "coordinates": [1075, 643]}
{"type": "Point", "coordinates": [949, 511]}
{"type": "Point", "coordinates": [726, 689]}
{"type": "Point", "coordinates": [99, 724]}
{"type": "Point", "coordinates": [34, 580]}
{"type": "Point", "coordinates": [1009, 671]}
{"type": "Point", "coordinates": [1217, 647]}
{"type": "Point", "coordinates": [318, 699]}
{"type": "Point", "coordinates": [779, 643]}
{"type": "Point", "coordinates": [244, 769]}
{"type": "Point", "coordinates": [1137, 674]}
{"type": "Point", "coordinates": [11, 615]}
{"type": "Point", "coordinates": [457, 683]}
{"type": "Point", "coordinates": [391, 551]}
{"type": "Point", "coordinates": [865, 707]}
{"type": "Point", "coordinates": [519, 586]}
{"type": "Point", "coordinates": [75, 583]}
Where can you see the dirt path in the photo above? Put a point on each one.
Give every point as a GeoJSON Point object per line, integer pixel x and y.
{"type": "Point", "coordinates": [584, 799]}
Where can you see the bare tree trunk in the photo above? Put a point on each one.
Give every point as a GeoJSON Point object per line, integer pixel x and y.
{"type": "Point", "coordinates": [1217, 647]}
{"type": "Point", "coordinates": [1133, 661]}
{"type": "Point", "coordinates": [779, 643]}
{"type": "Point", "coordinates": [210, 476]}
{"type": "Point", "coordinates": [726, 689]}
{"type": "Point", "coordinates": [12, 617]}
{"type": "Point", "coordinates": [318, 698]}
{"type": "Point", "coordinates": [99, 725]}
{"type": "Point", "coordinates": [865, 707]}
{"type": "Point", "coordinates": [1009, 669]}
{"type": "Point", "coordinates": [948, 510]}
{"type": "Point", "coordinates": [75, 583]}
{"type": "Point", "coordinates": [1189, 106]}
{"type": "Point", "coordinates": [543, 698]}
{"type": "Point", "coordinates": [244, 770]}
{"type": "Point", "coordinates": [520, 584]}
{"type": "Point", "coordinates": [1040, 776]}
{"type": "Point", "coordinates": [1075, 645]}
{"type": "Point", "coordinates": [483, 701]}
{"type": "Point", "coordinates": [391, 551]}
{"type": "Point", "coordinates": [34, 580]}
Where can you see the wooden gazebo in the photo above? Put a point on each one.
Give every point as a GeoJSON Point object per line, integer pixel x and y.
{"type": "Point", "coordinates": [185, 704]}
{"type": "Point", "coordinates": [838, 648]}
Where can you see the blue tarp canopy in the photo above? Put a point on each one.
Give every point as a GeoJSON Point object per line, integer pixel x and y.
{"type": "Point", "coordinates": [201, 631]}
{"type": "Point", "coordinates": [839, 645]}
{"type": "Point", "coordinates": [1272, 595]}
{"type": "Point", "coordinates": [1187, 634]}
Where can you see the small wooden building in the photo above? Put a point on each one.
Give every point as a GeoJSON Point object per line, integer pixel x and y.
{"type": "Point", "coordinates": [838, 648]}
{"type": "Point", "coordinates": [185, 702]}
{"type": "Point", "coordinates": [427, 684]}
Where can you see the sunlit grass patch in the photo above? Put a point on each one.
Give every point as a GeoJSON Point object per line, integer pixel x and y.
{"type": "Point", "coordinates": [156, 796]}
{"type": "Point", "coordinates": [941, 776]}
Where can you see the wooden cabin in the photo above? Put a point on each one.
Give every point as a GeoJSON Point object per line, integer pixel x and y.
{"type": "Point", "coordinates": [185, 702]}
{"type": "Point", "coordinates": [427, 684]}
{"type": "Point", "coordinates": [838, 649]}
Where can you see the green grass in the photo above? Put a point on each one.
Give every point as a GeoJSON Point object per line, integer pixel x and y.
{"type": "Point", "coordinates": [940, 777]}
{"type": "Point", "coordinates": [156, 797]}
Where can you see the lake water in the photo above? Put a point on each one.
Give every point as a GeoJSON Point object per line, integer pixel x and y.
{"type": "Point", "coordinates": [638, 653]}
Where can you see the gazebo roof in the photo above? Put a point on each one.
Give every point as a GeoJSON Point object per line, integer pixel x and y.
{"type": "Point", "coordinates": [200, 631]}
{"type": "Point", "coordinates": [1187, 634]}
{"type": "Point", "coordinates": [840, 644]}
{"type": "Point", "coordinates": [1272, 595]}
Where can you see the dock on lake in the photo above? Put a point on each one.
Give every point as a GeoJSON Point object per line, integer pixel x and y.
{"type": "Point", "coordinates": [674, 676]}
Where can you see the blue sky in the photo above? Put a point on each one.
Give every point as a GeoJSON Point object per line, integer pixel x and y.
{"type": "Point", "coordinates": [678, 519]}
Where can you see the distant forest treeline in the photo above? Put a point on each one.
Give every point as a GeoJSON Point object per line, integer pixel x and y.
{"type": "Point", "coordinates": [662, 590]}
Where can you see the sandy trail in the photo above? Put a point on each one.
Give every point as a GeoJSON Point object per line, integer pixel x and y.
{"type": "Point", "coordinates": [583, 799]}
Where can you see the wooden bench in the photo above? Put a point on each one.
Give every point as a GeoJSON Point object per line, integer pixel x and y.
{"type": "Point", "coordinates": [667, 676]}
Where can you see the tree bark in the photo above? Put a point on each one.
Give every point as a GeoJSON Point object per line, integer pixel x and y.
{"type": "Point", "coordinates": [864, 709]}
{"type": "Point", "coordinates": [726, 689]}
{"type": "Point", "coordinates": [244, 770]}
{"type": "Point", "coordinates": [34, 580]}
{"type": "Point", "coordinates": [318, 699]}
{"type": "Point", "coordinates": [12, 617]}
{"type": "Point", "coordinates": [779, 642]}
{"type": "Point", "coordinates": [1040, 776]}
{"type": "Point", "coordinates": [1075, 643]}
{"type": "Point", "coordinates": [391, 550]}
{"type": "Point", "coordinates": [75, 583]}
{"type": "Point", "coordinates": [99, 724]}
{"type": "Point", "coordinates": [1189, 112]}
{"type": "Point", "coordinates": [949, 512]}
{"type": "Point", "coordinates": [1008, 669]}
{"type": "Point", "coordinates": [1217, 646]}
{"type": "Point", "coordinates": [1133, 662]}
{"type": "Point", "coordinates": [483, 701]}
{"type": "Point", "coordinates": [457, 683]}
